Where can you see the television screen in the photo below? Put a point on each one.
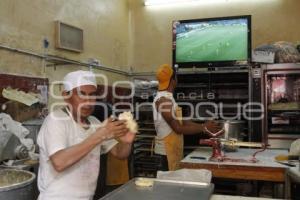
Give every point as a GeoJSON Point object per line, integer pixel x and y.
{"type": "Point", "coordinates": [211, 41]}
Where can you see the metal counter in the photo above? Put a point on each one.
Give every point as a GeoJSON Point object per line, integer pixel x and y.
{"type": "Point", "coordinates": [161, 190]}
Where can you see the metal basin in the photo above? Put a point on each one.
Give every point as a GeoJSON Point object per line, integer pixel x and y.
{"type": "Point", "coordinates": [16, 184]}
{"type": "Point", "coordinates": [234, 129]}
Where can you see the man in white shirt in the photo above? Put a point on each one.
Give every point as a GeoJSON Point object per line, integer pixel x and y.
{"type": "Point", "coordinates": [70, 142]}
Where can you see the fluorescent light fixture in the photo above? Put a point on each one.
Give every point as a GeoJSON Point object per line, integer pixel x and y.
{"type": "Point", "coordinates": [165, 2]}
{"type": "Point", "coordinates": [173, 2]}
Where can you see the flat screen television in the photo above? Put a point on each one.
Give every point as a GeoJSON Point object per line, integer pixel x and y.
{"type": "Point", "coordinates": [212, 41]}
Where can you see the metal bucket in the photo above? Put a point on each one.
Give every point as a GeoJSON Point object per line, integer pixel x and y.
{"type": "Point", "coordinates": [234, 129]}
{"type": "Point", "coordinates": [16, 184]}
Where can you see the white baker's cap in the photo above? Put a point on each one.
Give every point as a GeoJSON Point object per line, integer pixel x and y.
{"type": "Point", "coordinates": [79, 78]}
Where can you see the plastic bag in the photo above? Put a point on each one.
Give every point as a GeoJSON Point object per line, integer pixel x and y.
{"type": "Point", "coordinates": [295, 148]}
{"type": "Point", "coordinates": [285, 52]}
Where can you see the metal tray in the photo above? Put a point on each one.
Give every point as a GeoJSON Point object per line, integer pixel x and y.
{"type": "Point", "coordinates": [162, 190]}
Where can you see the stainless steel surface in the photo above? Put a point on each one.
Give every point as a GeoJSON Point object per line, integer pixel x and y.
{"type": "Point", "coordinates": [16, 184]}
{"type": "Point", "coordinates": [266, 158]}
{"type": "Point", "coordinates": [161, 190]}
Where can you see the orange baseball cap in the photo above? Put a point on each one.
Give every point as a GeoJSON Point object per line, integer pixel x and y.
{"type": "Point", "coordinates": [164, 74]}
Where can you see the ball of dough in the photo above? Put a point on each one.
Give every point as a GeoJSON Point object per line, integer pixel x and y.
{"type": "Point", "coordinates": [144, 182]}
{"type": "Point", "coordinates": [130, 122]}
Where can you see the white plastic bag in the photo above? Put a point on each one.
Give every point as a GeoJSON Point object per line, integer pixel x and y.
{"type": "Point", "coordinates": [295, 148]}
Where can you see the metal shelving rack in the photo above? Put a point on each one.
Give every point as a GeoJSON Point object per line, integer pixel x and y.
{"type": "Point", "coordinates": [229, 86]}
{"type": "Point", "coordinates": [144, 162]}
